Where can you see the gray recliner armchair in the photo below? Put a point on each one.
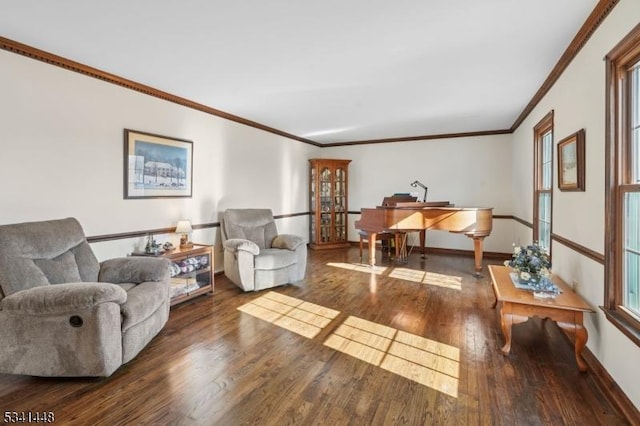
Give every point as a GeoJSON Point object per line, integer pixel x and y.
{"type": "Point", "coordinates": [62, 313]}
{"type": "Point", "coordinates": [255, 256]}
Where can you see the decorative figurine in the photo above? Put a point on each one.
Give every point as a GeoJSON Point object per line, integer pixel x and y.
{"type": "Point", "coordinates": [152, 246]}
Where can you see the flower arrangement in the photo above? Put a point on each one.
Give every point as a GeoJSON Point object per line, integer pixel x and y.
{"type": "Point", "coordinates": [531, 262]}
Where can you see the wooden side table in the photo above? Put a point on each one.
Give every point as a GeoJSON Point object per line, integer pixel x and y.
{"type": "Point", "coordinates": [195, 276]}
{"type": "Point", "coordinates": [518, 305]}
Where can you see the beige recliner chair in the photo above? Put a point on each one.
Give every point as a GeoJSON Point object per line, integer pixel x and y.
{"type": "Point", "coordinates": [255, 256]}
{"type": "Point", "coordinates": [62, 313]}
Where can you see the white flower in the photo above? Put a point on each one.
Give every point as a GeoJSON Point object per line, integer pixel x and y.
{"type": "Point", "coordinates": [530, 261]}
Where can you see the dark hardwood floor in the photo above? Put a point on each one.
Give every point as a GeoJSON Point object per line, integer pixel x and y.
{"type": "Point", "coordinates": [213, 364]}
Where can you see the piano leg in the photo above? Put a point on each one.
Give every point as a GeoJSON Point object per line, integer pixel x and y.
{"type": "Point", "coordinates": [372, 248]}
{"type": "Point", "coordinates": [477, 249]}
{"type": "Point", "coordinates": [398, 245]}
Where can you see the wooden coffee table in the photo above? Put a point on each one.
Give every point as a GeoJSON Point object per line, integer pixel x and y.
{"type": "Point", "coordinates": [518, 305]}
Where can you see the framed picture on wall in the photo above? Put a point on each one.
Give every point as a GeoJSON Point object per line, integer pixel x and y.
{"type": "Point", "coordinates": [571, 162]}
{"type": "Point", "coordinates": [157, 166]}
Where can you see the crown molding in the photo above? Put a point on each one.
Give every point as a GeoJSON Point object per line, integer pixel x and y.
{"type": "Point", "coordinates": [597, 16]}
{"type": "Point", "coordinates": [68, 64]}
{"type": "Point", "coordinates": [421, 138]}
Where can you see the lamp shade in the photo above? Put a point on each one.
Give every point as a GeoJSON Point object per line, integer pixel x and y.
{"type": "Point", "coordinates": [184, 227]}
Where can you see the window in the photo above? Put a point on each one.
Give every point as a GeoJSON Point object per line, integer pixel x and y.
{"type": "Point", "coordinates": [631, 202]}
{"type": "Point", "coordinates": [543, 181]}
{"type": "Point", "coordinates": [622, 261]}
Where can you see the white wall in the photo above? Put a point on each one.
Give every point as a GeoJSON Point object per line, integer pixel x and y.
{"type": "Point", "coordinates": [468, 171]}
{"type": "Point", "coordinates": [61, 135]}
{"type": "Point", "coordinates": [62, 155]}
{"type": "Point", "coordinates": [578, 101]}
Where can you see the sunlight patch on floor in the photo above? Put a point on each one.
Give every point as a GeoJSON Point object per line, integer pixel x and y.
{"type": "Point", "coordinates": [362, 339]}
{"type": "Point", "coordinates": [303, 318]}
{"type": "Point", "coordinates": [416, 358]}
{"type": "Point", "coordinates": [360, 267]}
{"type": "Point", "coordinates": [430, 278]}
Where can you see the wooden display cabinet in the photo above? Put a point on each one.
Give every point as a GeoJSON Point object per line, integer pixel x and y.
{"type": "Point", "coordinates": [328, 195]}
{"type": "Point", "coordinates": [192, 271]}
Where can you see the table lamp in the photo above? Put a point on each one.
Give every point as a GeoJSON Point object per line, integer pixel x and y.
{"type": "Point", "coordinates": [417, 183]}
{"type": "Point", "coordinates": [184, 228]}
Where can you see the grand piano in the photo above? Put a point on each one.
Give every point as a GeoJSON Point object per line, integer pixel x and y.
{"type": "Point", "coordinates": [401, 214]}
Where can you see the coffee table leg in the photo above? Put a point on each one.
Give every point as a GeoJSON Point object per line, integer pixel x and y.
{"type": "Point", "coordinates": [507, 320]}
{"type": "Point", "coordinates": [581, 341]}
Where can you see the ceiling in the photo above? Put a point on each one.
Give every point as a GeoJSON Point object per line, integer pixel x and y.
{"type": "Point", "coordinates": [328, 71]}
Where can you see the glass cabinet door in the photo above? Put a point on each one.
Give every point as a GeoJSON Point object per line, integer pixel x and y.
{"type": "Point", "coordinates": [340, 200]}
{"type": "Point", "coordinates": [326, 207]}
{"type": "Point", "coordinates": [312, 207]}
{"type": "Point", "coordinates": [328, 203]}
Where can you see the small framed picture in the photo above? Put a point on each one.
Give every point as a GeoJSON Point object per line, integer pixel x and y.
{"type": "Point", "coordinates": [157, 166]}
{"type": "Point", "coordinates": [571, 153]}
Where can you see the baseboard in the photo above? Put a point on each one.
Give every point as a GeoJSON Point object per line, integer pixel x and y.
{"type": "Point", "coordinates": [453, 252]}
{"type": "Point", "coordinates": [456, 252]}
{"type": "Point", "coordinates": [607, 385]}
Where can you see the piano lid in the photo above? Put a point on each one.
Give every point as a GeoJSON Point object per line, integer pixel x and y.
{"type": "Point", "coordinates": [419, 204]}
{"type": "Point", "coordinates": [398, 198]}
{"type": "Point", "coordinates": [409, 201]}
